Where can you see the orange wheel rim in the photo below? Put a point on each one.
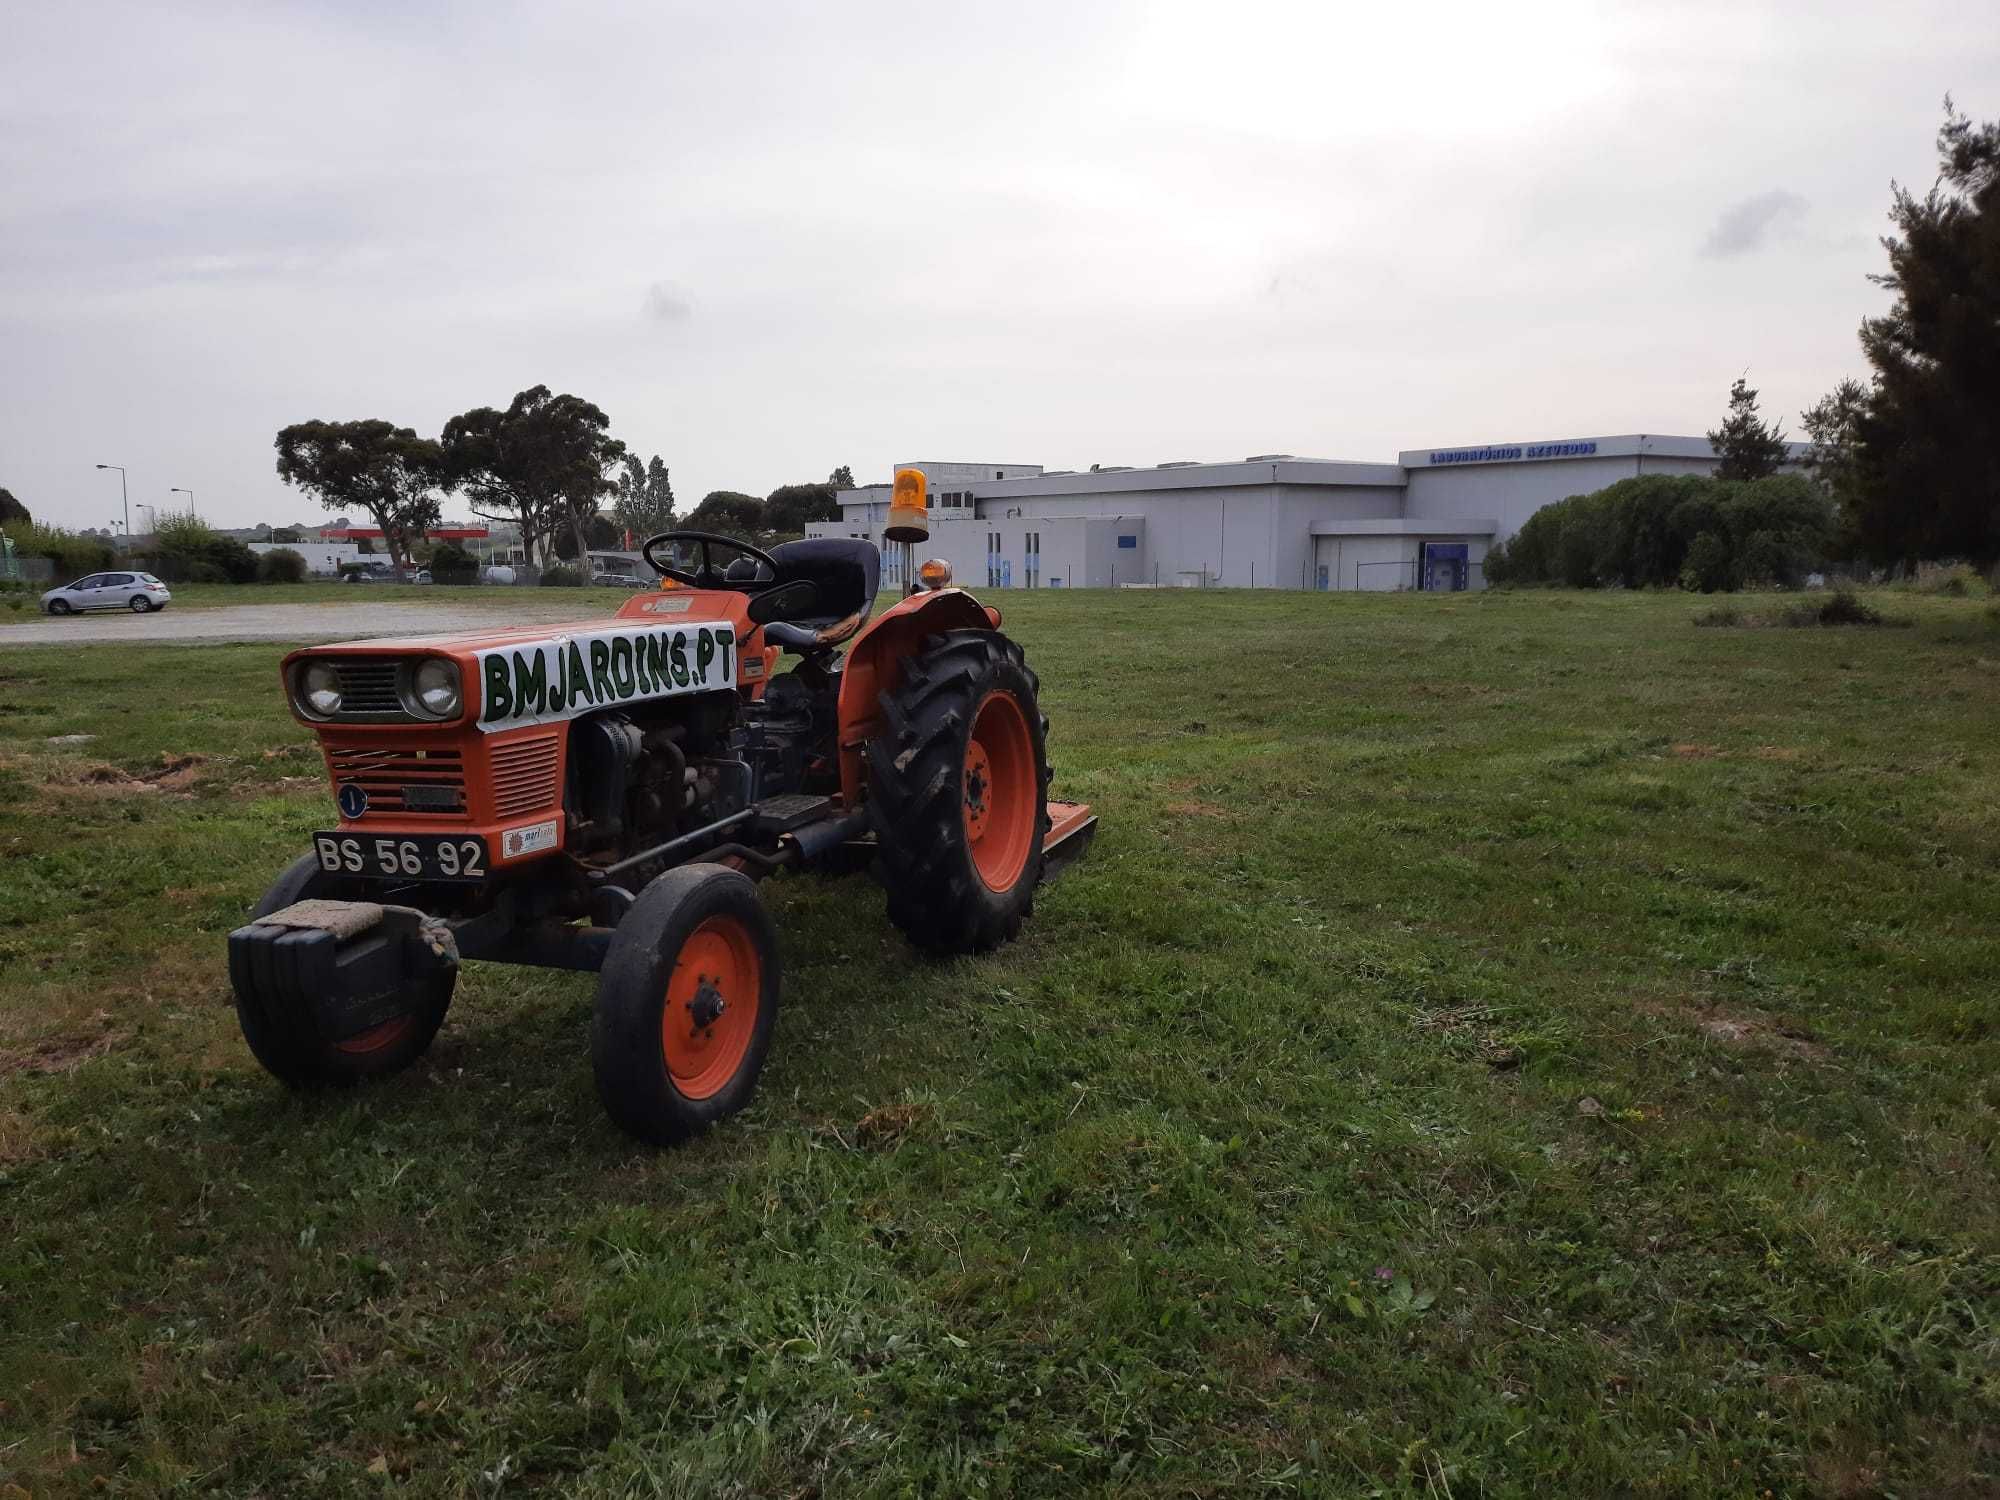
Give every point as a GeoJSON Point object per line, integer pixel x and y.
{"type": "Point", "coordinates": [999, 791]}
{"type": "Point", "coordinates": [375, 1038]}
{"type": "Point", "coordinates": [713, 996]}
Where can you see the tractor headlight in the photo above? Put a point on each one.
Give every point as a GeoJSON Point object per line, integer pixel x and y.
{"type": "Point", "coordinates": [935, 574]}
{"type": "Point", "coordinates": [319, 689]}
{"type": "Point", "coordinates": [434, 687]}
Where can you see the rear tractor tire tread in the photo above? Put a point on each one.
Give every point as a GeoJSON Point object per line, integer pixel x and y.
{"type": "Point", "coordinates": [916, 789]}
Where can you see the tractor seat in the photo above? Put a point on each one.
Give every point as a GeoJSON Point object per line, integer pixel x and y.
{"type": "Point", "coordinates": [846, 573]}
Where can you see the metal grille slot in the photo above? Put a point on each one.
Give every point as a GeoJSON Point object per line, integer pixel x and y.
{"type": "Point", "coordinates": [524, 775]}
{"type": "Point", "coordinates": [384, 774]}
{"type": "Point", "coordinates": [368, 689]}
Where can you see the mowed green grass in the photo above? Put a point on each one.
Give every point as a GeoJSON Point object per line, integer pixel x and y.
{"type": "Point", "coordinates": [1516, 1044]}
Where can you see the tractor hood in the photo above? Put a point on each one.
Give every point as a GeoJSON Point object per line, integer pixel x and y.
{"type": "Point", "coordinates": [520, 675]}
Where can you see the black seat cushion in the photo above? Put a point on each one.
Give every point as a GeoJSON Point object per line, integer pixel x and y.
{"type": "Point", "coordinates": [846, 570]}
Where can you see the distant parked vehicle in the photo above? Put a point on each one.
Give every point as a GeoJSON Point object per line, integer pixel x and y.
{"type": "Point", "coordinates": [141, 593]}
{"type": "Point", "coordinates": [618, 580]}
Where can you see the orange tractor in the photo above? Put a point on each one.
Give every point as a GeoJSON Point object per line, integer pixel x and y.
{"type": "Point", "coordinates": [605, 795]}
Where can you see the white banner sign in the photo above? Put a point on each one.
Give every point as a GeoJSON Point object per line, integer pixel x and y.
{"type": "Point", "coordinates": [570, 675]}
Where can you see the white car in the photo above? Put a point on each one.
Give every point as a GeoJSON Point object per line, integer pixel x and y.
{"type": "Point", "coordinates": [141, 593]}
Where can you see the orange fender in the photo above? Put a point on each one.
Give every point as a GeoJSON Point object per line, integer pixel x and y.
{"type": "Point", "coordinates": [875, 666]}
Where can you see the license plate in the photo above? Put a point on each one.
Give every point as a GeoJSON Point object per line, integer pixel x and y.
{"type": "Point", "coordinates": [413, 856]}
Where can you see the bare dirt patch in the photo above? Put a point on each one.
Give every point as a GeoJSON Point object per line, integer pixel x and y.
{"type": "Point", "coordinates": [1195, 808]}
{"type": "Point", "coordinates": [1766, 1036]}
{"type": "Point", "coordinates": [62, 1054]}
{"type": "Point", "coordinates": [1697, 752]}
{"type": "Point", "coordinates": [883, 1128]}
{"type": "Point", "coordinates": [175, 773]}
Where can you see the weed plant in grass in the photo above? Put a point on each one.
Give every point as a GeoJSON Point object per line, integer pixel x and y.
{"type": "Point", "coordinates": [1506, 1044]}
{"type": "Point", "coordinates": [1842, 607]}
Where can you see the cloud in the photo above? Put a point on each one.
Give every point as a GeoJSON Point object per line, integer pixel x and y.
{"type": "Point", "coordinates": [667, 303]}
{"type": "Point", "coordinates": [1750, 224]}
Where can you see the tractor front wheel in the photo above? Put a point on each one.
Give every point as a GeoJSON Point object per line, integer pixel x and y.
{"type": "Point", "coordinates": [686, 1003]}
{"type": "Point", "coordinates": [958, 782]}
{"type": "Point", "coordinates": [288, 1043]}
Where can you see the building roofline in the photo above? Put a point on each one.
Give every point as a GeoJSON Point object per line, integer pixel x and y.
{"type": "Point", "coordinates": [1406, 526]}
{"type": "Point", "coordinates": [963, 463]}
{"type": "Point", "coordinates": [1183, 476]}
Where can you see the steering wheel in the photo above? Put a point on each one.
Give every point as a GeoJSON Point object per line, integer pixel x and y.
{"type": "Point", "coordinates": [700, 548]}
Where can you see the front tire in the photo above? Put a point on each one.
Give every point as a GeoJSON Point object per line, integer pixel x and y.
{"type": "Point", "coordinates": [958, 783]}
{"type": "Point", "coordinates": [289, 1045]}
{"type": "Point", "coordinates": [686, 1004]}
{"type": "Point", "coordinates": [59, 606]}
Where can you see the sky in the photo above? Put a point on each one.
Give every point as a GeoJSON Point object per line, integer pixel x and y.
{"type": "Point", "coordinates": [772, 238]}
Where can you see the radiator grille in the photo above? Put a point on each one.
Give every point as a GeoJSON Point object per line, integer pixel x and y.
{"type": "Point", "coordinates": [368, 688]}
{"type": "Point", "coordinates": [524, 775]}
{"type": "Point", "coordinates": [389, 777]}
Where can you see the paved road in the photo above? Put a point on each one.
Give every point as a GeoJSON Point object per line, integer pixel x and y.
{"type": "Point", "coordinates": [296, 622]}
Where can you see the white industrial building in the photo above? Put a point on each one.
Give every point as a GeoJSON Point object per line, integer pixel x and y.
{"type": "Point", "coordinates": [323, 559]}
{"type": "Point", "coordinates": [1269, 521]}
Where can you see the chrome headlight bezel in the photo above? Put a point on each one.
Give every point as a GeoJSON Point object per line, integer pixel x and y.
{"type": "Point", "coordinates": [316, 690]}
{"type": "Point", "coordinates": [434, 689]}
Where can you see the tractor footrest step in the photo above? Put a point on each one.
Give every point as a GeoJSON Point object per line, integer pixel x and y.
{"type": "Point", "coordinates": [784, 814]}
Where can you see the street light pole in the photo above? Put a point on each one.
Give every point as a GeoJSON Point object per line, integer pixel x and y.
{"type": "Point", "coordinates": [125, 497]}
{"type": "Point", "coordinates": [177, 490]}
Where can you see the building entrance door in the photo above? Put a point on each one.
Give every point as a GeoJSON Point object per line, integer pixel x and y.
{"type": "Point", "coordinates": [1444, 567]}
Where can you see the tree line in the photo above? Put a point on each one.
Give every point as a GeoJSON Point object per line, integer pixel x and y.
{"type": "Point", "coordinates": [547, 464]}
{"type": "Point", "coordinates": [1912, 457]}
{"type": "Point", "coordinates": [1902, 468]}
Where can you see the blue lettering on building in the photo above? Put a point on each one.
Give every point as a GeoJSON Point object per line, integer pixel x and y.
{"type": "Point", "coordinates": [1495, 455]}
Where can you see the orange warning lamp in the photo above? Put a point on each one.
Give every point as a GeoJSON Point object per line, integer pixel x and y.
{"type": "Point", "coordinates": [908, 521]}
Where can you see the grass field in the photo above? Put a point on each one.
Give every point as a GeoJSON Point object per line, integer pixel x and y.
{"type": "Point", "coordinates": [1510, 1044]}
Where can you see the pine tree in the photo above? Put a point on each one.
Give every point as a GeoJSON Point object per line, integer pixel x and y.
{"type": "Point", "coordinates": [1749, 448]}
{"type": "Point", "coordinates": [1928, 451]}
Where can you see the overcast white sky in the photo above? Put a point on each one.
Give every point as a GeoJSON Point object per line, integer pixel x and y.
{"type": "Point", "coordinates": [772, 238]}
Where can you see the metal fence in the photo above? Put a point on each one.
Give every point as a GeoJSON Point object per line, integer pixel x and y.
{"type": "Point", "coordinates": [1470, 575]}
{"type": "Point", "coordinates": [27, 569]}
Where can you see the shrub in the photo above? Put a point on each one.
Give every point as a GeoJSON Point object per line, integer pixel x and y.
{"type": "Point", "coordinates": [188, 547]}
{"type": "Point", "coordinates": [1958, 581]}
{"type": "Point", "coordinates": [561, 578]}
{"type": "Point", "coordinates": [1722, 614]}
{"type": "Point", "coordinates": [1659, 530]}
{"type": "Point", "coordinates": [1708, 568]}
{"type": "Point", "coordinates": [72, 555]}
{"type": "Point", "coordinates": [451, 563]}
{"type": "Point", "coordinates": [1843, 608]}
{"type": "Point", "coordinates": [281, 565]}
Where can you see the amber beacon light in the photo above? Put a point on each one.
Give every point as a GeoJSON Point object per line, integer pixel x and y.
{"type": "Point", "coordinates": [908, 520]}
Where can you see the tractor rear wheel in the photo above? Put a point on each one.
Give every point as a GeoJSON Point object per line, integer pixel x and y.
{"type": "Point", "coordinates": [289, 1045]}
{"type": "Point", "coordinates": [686, 1003]}
{"type": "Point", "coordinates": [958, 782]}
